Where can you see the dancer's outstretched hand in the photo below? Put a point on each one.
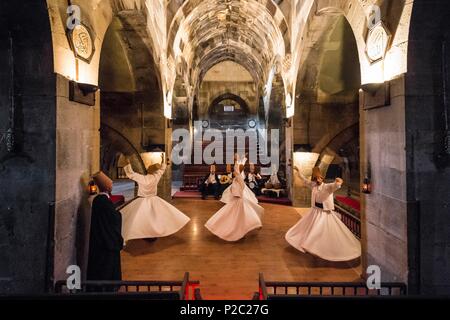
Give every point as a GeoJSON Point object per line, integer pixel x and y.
{"type": "Point", "coordinates": [339, 181]}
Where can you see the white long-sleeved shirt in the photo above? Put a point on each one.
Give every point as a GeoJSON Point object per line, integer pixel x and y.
{"type": "Point", "coordinates": [238, 185]}
{"type": "Point", "coordinates": [321, 194]}
{"type": "Point", "coordinates": [148, 184]}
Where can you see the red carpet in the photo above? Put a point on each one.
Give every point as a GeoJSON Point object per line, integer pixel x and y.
{"type": "Point", "coordinates": [350, 202]}
{"type": "Point", "coordinates": [197, 195]}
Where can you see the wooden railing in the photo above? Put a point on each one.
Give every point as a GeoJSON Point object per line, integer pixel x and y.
{"type": "Point", "coordinates": [160, 290]}
{"type": "Point", "coordinates": [269, 290]}
{"type": "Point", "coordinates": [351, 221]}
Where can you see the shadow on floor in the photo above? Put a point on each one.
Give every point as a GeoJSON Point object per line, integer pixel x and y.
{"type": "Point", "coordinates": [141, 247]}
{"type": "Point", "coordinates": [308, 260]}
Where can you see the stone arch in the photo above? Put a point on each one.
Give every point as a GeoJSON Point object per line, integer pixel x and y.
{"type": "Point", "coordinates": [356, 13]}
{"type": "Point", "coordinates": [230, 96]}
{"type": "Point", "coordinates": [131, 95]}
{"type": "Point", "coordinates": [118, 143]}
{"type": "Point", "coordinates": [329, 153]}
{"type": "Point", "coordinates": [97, 15]}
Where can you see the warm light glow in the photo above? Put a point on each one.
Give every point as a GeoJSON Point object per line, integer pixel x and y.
{"type": "Point", "coordinates": [366, 187]}
{"type": "Point", "coordinates": [394, 64]}
{"type": "Point", "coordinates": [290, 108]}
{"type": "Point", "coordinates": [65, 63]}
{"type": "Point", "coordinates": [387, 69]}
{"type": "Point", "coordinates": [305, 161]}
{"type": "Point", "coordinates": [374, 73]}
{"type": "Point", "coordinates": [92, 188]}
{"type": "Point", "coordinates": [168, 105]}
{"type": "Point", "coordinates": [151, 158]}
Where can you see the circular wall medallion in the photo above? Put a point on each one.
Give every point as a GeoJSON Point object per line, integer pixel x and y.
{"type": "Point", "coordinates": [82, 42]}
{"type": "Point", "coordinates": [377, 42]}
{"type": "Point", "coordinates": [252, 123]}
{"type": "Point", "coordinates": [205, 124]}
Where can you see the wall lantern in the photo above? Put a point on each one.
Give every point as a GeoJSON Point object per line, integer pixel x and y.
{"type": "Point", "coordinates": [92, 188]}
{"type": "Point", "coordinates": [367, 186]}
{"type": "Point", "coordinates": [367, 183]}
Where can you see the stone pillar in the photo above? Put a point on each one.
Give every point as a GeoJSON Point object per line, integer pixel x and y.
{"type": "Point", "coordinates": [427, 86]}
{"type": "Point", "coordinates": [384, 211]}
{"type": "Point", "coordinates": [27, 172]}
{"type": "Point", "coordinates": [77, 158]}
{"type": "Point", "coordinates": [165, 184]}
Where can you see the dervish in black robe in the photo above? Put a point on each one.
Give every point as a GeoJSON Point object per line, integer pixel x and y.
{"type": "Point", "coordinates": [105, 242]}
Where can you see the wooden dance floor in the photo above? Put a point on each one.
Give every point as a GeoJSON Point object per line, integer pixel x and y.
{"type": "Point", "coordinates": [229, 270]}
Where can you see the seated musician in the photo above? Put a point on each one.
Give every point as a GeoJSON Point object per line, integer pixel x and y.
{"type": "Point", "coordinates": [210, 184]}
{"type": "Point", "coordinates": [226, 179]}
{"type": "Point", "coordinates": [254, 180]}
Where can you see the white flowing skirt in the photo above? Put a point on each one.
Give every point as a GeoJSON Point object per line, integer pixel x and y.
{"type": "Point", "coordinates": [234, 220]}
{"type": "Point", "coordinates": [227, 195]}
{"type": "Point", "coordinates": [323, 234]}
{"type": "Point", "coordinates": [151, 217]}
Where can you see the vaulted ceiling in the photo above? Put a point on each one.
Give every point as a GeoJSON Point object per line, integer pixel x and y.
{"type": "Point", "coordinates": [253, 33]}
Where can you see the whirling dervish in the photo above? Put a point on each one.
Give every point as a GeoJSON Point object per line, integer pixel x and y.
{"type": "Point", "coordinates": [149, 216]}
{"type": "Point", "coordinates": [321, 232]}
{"type": "Point", "coordinates": [239, 216]}
{"type": "Point", "coordinates": [248, 194]}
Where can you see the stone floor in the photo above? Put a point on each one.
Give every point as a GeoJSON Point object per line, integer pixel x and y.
{"type": "Point", "coordinates": [229, 270]}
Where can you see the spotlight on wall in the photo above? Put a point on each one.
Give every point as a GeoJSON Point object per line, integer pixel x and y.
{"type": "Point", "coordinates": [302, 148]}
{"type": "Point", "coordinates": [372, 87]}
{"type": "Point", "coordinates": [92, 188]}
{"type": "Point", "coordinates": [156, 148]}
{"type": "Point", "coordinates": [83, 93]}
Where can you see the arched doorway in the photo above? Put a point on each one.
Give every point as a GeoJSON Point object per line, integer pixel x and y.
{"type": "Point", "coordinates": [132, 121]}
{"type": "Point", "coordinates": [228, 111]}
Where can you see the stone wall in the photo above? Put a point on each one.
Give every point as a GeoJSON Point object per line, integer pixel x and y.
{"type": "Point", "coordinates": [27, 176]}
{"type": "Point", "coordinates": [77, 158]}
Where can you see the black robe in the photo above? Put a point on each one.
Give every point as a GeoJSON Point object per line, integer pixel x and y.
{"type": "Point", "coordinates": [105, 241]}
